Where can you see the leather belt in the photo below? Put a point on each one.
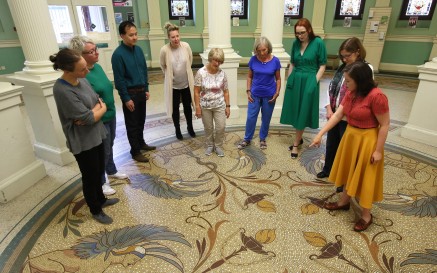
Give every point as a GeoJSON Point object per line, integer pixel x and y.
{"type": "Point", "coordinates": [136, 90]}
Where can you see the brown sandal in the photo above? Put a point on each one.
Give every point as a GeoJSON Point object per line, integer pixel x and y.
{"type": "Point", "coordinates": [362, 225]}
{"type": "Point", "coordinates": [263, 144]}
{"type": "Point", "coordinates": [243, 144]}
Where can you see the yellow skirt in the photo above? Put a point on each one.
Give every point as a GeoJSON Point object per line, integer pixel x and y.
{"type": "Point", "coordinates": [353, 169]}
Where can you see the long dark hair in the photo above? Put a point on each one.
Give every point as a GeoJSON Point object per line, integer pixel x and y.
{"type": "Point", "coordinates": [362, 75]}
{"type": "Point", "coordinates": [65, 59]}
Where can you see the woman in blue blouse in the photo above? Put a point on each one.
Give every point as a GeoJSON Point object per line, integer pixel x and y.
{"type": "Point", "coordinates": [263, 86]}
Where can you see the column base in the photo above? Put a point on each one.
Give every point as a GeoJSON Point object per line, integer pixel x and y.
{"type": "Point", "coordinates": [420, 134]}
{"type": "Point", "coordinates": [60, 156]}
{"type": "Point", "coordinates": [20, 181]}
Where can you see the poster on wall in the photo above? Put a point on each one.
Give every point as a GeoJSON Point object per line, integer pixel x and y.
{"type": "Point", "coordinates": [347, 22]}
{"type": "Point", "coordinates": [122, 3]}
{"type": "Point", "coordinates": [131, 17]}
{"type": "Point", "coordinates": [412, 22]}
{"type": "Point", "coordinates": [118, 17]}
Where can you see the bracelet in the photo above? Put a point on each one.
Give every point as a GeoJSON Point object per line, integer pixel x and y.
{"type": "Point", "coordinates": [248, 90]}
{"type": "Point", "coordinates": [227, 105]}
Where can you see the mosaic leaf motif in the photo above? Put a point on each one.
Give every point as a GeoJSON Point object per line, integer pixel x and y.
{"type": "Point", "coordinates": [266, 236]}
{"type": "Point", "coordinates": [430, 257]}
{"type": "Point", "coordinates": [70, 223]}
{"type": "Point", "coordinates": [309, 209]}
{"type": "Point", "coordinates": [310, 158]}
{"type": "Point", "coordinates": [163, 188]}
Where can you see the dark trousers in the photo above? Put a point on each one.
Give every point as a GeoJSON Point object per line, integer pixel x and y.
{"type": "Point", "coordinates": [332, 141]}
{"type": "Point", "coordinates": [135, 122]}
{"type": "Point", "coordinates": [92, 166]}
{"type": "Point", "coordinates": [183, 95]}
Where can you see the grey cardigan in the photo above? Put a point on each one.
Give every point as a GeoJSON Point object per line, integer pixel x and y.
{"type": "Point", "coordinates": [75, 103]}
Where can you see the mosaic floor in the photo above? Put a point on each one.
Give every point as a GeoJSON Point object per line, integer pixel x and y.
{"type": "Point", "coordinates": [251, 211]}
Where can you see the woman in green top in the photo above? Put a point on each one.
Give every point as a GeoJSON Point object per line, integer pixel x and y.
{"type": "Point", "coordinates": [102, 86]}
{"type": "Point", "coordinates": [301, 98]}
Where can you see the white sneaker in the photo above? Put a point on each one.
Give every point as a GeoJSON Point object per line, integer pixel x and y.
{"type": "Point", "coordinates": [107, 190]}
{"type": "Point", "coordinates": [209, 150]}
{"type": "Point", "coordinates": [219, 152]}
{"type": "Point", "coordinates": [118, 175]}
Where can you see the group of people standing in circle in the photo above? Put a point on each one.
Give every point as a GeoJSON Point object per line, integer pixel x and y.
{"type": "Point", "coordinates": [357, 111]}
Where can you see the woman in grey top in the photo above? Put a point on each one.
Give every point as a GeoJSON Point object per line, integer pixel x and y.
{"type": "Point", "coordinates": [80, 110]}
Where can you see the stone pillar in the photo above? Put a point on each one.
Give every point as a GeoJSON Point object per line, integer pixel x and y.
{"type": "Point", "coordinates": [434, 48]}
{"type": "Point", "coordinates": [38, 41]}
{"type": "Point", "coordinates": [219, 23]}
{"type": "Point", "coordinates": [273, 28]}
{"type": "Point", "coordinates": [19, 168]}
{"type": "Point", "coordinates": [205, 32]}
{"type": "Point", "coordinates": [156, 33]}
{"type": "Point", "coordinates": [373, 42]}
{"type": "Point", "coordinates": [421, 126]}
{"type": "Point", "coordinates": [318, 18]}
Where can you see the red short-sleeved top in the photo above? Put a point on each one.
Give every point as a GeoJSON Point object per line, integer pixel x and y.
{"type": "Point", "coordinates": [361, 112]}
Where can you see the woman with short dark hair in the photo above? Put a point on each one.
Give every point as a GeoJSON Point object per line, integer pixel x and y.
{"type": "Point", "coordinates": [359, 162]}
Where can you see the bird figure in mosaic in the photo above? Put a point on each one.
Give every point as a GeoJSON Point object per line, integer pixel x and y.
{"type": "Point", "coordinates": [96, 253]}
{"type": "Point", "coordinates": [411, 205]}
{"type": "Point", "coordinates": [250, 155]}
{"type": "Point", "coordinates": [163, 187]}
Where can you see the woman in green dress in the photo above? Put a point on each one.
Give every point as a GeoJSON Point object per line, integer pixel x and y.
{"type": "Point", "coordinates": [301, 98]}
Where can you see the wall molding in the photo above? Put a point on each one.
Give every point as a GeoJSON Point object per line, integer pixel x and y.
{"type": "Point", "coordinates": [409, 38]}
{"type": "Point", "coordinates": [404, 68]}
{"type": "Point", "coordinates": [9, 43]}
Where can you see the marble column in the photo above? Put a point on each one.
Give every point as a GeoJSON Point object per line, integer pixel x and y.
{"type": "Point", "coordinates": [19, 168]}
{"type": "Point", "coordinates": [38, 42]}
{"type": "Point", "coordinates": [273, 28]}
{"type": "Point", "coordinates": [421, 126]}
{"type": "Point", "coordinates": [319, 18]}
{"type": "Point", "coordinates": [157, 35]}
{"type": "Point", "coordinates": [205, 32]}
{"type": "Point", "coordinates": [219, 25]}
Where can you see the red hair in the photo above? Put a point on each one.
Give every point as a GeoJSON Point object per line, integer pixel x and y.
{"type": "Point", "coordinates": [304, 22]}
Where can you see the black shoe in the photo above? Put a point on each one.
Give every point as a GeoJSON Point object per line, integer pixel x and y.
{"type": "Point", "coordinates": [146, 147]}
{"type": "Point", "coordinates": [294, 155]}
{"type": "Point", "coordinates": [339, 189]}
{"type": "Point", "coordinates": [191, 131]}
{"type": "Point", "coordinates": [102, 218]}
{"type": "Point", "coordinates": [179, 134]}
{"type": "Point", "coordinates": [291, 146]}
{"type": "Point", "coordinates": [110, 202]}
{"type": "Point", "coordinates": [140, 158]}
{"type": "Point", "coordinates": [322, 174]}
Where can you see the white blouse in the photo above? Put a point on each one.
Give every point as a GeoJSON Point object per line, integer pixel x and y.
{"type": "Point", "coordinates": [211, 88]}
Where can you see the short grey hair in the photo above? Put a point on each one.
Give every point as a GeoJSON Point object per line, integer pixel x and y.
{"type": "Point", "coordinates": [78, 43]}
{"type": "Point", "coordinates": [262, 41]}
{"type": "Point", "coordinates": [216, 54]}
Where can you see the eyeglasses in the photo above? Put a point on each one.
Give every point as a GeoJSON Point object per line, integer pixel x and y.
{"type": "Point", "coordinates": [92, 51]}
{"type": "Point", "coordinates": [346, 56]}
{"type": "Point", "coordinates": [300, 33]}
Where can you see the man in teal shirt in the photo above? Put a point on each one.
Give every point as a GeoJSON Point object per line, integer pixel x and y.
{"type": "Point", "coordinates": [131, 81]}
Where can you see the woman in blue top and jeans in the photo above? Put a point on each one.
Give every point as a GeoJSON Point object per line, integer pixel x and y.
{"type": "Point", "coordinates": [263, 86]}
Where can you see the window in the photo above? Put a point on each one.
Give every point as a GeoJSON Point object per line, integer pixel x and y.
{"type": "Point", "coordinates": [180, 8]}
{"type": "Point", "coordinates": [293, 9]}
{"type": "Point", "coordinates": [422, 9]}
{"type": "Point", "coordinates": [349, 8]}
{"type": "Point", "coordinates": [239, 9]}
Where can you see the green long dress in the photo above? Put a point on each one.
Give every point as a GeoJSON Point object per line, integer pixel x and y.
{"type": "Point", "coordinates": [301, 99]}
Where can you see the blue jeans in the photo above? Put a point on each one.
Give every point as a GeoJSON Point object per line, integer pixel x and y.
{"type": "Point", "coordinates": [259, 103]}
{"type": "Point", "coordinates": [108, 142]}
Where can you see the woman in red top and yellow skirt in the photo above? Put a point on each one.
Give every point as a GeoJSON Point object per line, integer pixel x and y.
{"type": "Point", "coordinates": [359, 162]}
